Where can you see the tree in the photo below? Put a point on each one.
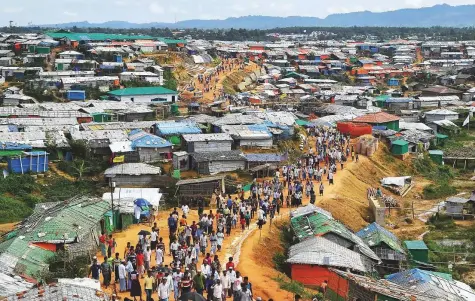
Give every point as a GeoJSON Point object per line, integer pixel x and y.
{"type": "Point", "coordinates": [80, 167]}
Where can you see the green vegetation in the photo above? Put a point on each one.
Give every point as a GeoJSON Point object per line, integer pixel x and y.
{"type": "Point", "coordinates": [170, 80]}
{"type": "Point", "coordinates": [441, 175]}
{"type": "Point", "coordinates": [61, 266]}
{"type": "Point", "coordinates": [20, 193]}
{"type": "Point", "coordinates": [450, 243]}
{"type": "Point", "coordinates": [12, 210]}
{"type": "Point", "coordinates": [296, 288]}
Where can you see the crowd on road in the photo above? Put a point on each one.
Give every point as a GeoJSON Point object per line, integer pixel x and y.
{"type": "Point", "coordinates": [195, 246]}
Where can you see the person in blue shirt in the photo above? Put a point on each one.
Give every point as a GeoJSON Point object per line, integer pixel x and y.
{"type": "Point", "coordinates": [172, 223]}
{"type": "Point", "coordinates": [95, 269]}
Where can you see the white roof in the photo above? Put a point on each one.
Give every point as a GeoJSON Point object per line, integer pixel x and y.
{"type": "Point", "coordinates": [413, 126]}
{"type": "Point", "coordinates": [441, 112]}
{"type": "Point", "coordinates": [133, 169]}
{"type": "Point", "coordinates": [121, 146]}
{"type": "Point", "coordinates": [321, 251]}
{"type": "Point", "coordinates": [207, 137]}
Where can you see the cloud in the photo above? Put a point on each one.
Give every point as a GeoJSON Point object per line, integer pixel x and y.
{"type": "Point", "coordinates": [12, 10]}
{"type": "Point", "coordinates": [156, 8]}
{"type": "Point", "coordinates": [71, 14]}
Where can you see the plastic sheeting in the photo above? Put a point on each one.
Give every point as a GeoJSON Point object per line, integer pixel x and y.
{"type": "Point", "coordinates": [396, 181]}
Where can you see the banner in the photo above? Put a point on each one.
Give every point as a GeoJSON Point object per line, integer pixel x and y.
{"type": "Point", "coordinates": [119, 159]}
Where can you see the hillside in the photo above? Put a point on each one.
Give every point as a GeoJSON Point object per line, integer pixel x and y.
{"type": "Point", "coordinates": [438, 15]}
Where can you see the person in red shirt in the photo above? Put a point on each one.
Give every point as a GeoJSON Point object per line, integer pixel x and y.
{"type": "Point", "coordinates": [102, 244]}
{"type": "Point", "coordinates": [230, 264]}
{"type": "Point", "coordinates": [140, 263]}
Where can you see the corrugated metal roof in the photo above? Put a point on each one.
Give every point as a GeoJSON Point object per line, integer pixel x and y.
{"type": "Point", "coordinates": [310, 209]}
{"type": "Point", "coordinates": [321, 251]}
{"type": "Point", "coordinates": [65, 221]}
{"type": "Point", "coordinates": [415, 245]}
{"type": "Point", "coordinates": [20, 256]}
{"type": "Point", "coordinates": [380, 117]}
{"type": "Point", "coordinates": [237, 118]}
{"type": "Point", "coordinates": [132, 169]}
{"type": "Point", "coordinates": [374, 235]}
{"type": "Point", "coordinates": [61, 291]}
{"type": "Point", "coordinates": [431, 283]}
{"type": "Point", "coordinates": [263, 157]}
{"type": "Point", "coordinates": [142, 139]}
{"type": "Point", "coordinates": [207, 137]}
{"type": "Point", "coordinates": [177, 128]}
{"type": "Point", "coordinates": [385, 288]}
{"type": "Point", "coordinates": [317, 224]}
{"type": "Point", "coordinates": [233, 155]}
{"type": "Point", "coordinates": [142, 91]}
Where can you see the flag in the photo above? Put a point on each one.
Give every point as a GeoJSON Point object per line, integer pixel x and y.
{"type": "Point", "coordinates": [119, 159]}
{"type": "Point", "coordinates": [466, 121]}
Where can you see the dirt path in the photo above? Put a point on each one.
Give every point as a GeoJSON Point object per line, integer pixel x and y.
{"type": "Point", "coordinates": [54, 168]}
{"type": "Point", "coordinates": [230, 245]}
{"type": "Point", "coordinates": [250, 263]}
{"type": "Point", "coordinates": [218, 86]}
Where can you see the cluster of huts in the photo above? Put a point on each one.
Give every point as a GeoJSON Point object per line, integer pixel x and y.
{"type": "Point", "coordinates": [329, 256]}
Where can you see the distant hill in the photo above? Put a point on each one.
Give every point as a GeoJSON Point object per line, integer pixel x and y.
{"type": "Point", "coordinates": [438, 15]}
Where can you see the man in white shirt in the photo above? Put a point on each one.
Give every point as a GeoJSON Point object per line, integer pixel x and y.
{"type": "Point", "coordinates": [122, 276]}
{"type": "Point", "coordinates": [185, 209]}
{"type": "Point", "coordinates": [163, 290]}
{"type": "Point", "coordinates": [147, 256]}
{"type": "Point", "coordinates": [206, 269]}
{"type": "Point", "coordinates": [217, 291]}
{"type": "Point", "coordinates": [226, 282]}
{"type": "Point", "coordinates": [159, 257]}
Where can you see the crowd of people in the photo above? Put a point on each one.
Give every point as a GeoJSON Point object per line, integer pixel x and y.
{"type": "Point", "coordinates": [195, 246]}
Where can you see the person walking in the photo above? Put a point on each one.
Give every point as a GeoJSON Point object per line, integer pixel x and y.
{"type": "Point", "coordinates": [321, 188]}
{"type": "Point", "coordinates": [163, 290]}
{"type": "Point", "coordinates": [106, 269]}
{"type": "Point", "coordinates": [148, 285]}
{"type": "Point", "coordinates": [136, 287]}
{"type": "Point", "coordinates": [122, 277]}
{"type": "Point", "coordinates": [217, 290]}
{"type": "Point", "coordinates": [95, 269]}
{"type": "Point", "coordinates": [199, 282]}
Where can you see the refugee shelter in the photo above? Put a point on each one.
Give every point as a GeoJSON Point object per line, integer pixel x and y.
{"type": "Point", "coordinates": [145, 95]}
{"type": "Point", "coordinates": [380, 119]}
{"type": "Point", "coordinates": [311, 259]}
{"type": "Point", "coordinates": [201, 143]}
{"type": "Point", "coordinates": [384, 244]}
{"type": "Point", "coordinates": [439, 285]}
{"type": "Point", "coordinates": [216, 162]}
{"type": "Point", "coordinates": [418, 250]}
{"type": "Point", "coordinates": [133, 174]}
{"type": "Point", "coordinates": [343, 285]}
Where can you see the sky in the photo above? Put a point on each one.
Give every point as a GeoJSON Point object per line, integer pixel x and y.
{"type": "Point", "coordinates": [24, 12]}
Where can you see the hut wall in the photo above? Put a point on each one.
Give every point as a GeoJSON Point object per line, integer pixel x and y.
{"type": "Point", "coordinates": [222, 166]}
{"type": "Point", "coordinates": [309, 275]}
{"type": "Point", "coordinates": [153, 154]}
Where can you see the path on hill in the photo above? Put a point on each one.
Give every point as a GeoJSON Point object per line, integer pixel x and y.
{"type": "Point", "coordinates": [250, 263]}
{"type": "Point", "coordinates": [217, 86]}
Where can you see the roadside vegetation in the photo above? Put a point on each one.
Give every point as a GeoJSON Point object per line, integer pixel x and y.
{"type": "Point", "coordinates": [451, 246]}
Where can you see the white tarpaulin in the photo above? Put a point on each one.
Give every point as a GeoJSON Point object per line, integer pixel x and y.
{"type": "Point", "coordinates": [83, 282]}
{"type": "Point", "coordinates": [152, 195]}
{"type": "Point", "coordinates": [395, 181]}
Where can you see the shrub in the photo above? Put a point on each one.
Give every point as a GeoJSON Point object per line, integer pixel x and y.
{"type": "Point", "coordinates": [441, 222]}
{"type": "Point", "coordinates": [280, 264]}
{"type": "Point", "coordinates": [12, 210]}
{"type": "Point", "coordinates": [436, 191]}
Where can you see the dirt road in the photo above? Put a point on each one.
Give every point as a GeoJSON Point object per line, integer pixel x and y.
{"type": "Point", "coordinates": [252, 255]}
{"type": "Point", "coordinates": [216, 86]}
